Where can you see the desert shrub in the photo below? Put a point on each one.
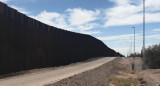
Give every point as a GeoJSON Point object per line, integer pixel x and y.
{"type": "Point", "coordinates": [136, 54]}
{"type": "Point", "coordinates": [152, 56]}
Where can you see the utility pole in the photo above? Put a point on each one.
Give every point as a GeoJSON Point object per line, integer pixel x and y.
{"type": "Point", "coordinates": [134, 41]}
{"type": "Point", "coordinates": [131, 48]}
{"type": "Point", "coordinates": [143, 66]}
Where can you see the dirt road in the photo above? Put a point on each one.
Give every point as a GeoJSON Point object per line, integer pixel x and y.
{"type": "Point", "coordinates": [42, 77]}
{"type": "Point", "coordinates": [117, 72]}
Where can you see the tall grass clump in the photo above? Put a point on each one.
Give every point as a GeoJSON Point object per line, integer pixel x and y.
{"type": "Point", "coordinates": [152, 56]}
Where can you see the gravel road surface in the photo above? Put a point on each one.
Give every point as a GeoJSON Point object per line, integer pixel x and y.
{"type": "Point", "coordinates": [94, 77]}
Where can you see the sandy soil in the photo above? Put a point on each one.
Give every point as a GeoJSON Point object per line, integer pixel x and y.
{"type": "Point", "coordinates": [119, 68]}
{"type": "Point", "coordinates": [150, 76]}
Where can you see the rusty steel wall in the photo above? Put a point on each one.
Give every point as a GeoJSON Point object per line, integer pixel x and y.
{"type": "Point", "coordinates": [26, 43]}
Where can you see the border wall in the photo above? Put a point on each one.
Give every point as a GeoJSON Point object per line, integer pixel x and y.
{"type": "Point", "coordinates": [26, 43]}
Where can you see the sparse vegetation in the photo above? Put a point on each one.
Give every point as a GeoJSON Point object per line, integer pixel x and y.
{"type": "Point", "coordinates": [127, 70]}
{"type": "Point", "coordinates": [152, 56]}
{"type": "Point", "coordinates": [125, 81]}
{"type": "Point", "coordinates": [136, 55]}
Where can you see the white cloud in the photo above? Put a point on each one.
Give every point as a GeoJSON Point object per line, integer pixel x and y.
{"type": "Point", "coordinates": [83, 20]}
{"type": "Point", "coordinates": [87, 26]}
{"type": "Point", "coordinates": [90, 32]}
{"type": "Point", "coordinates": [156, 30]}
{"type": "Point", "coordinates": [60, 21]}
{"type": "Point", "coordinates": [154, 36]}
{"type": "Point", "coordinates": [77, 19]}
{"type": "Point", "coordinates": [126, 50]}
{"type": "Point", "coordinates": [64, 20]}
{"type": "Point", "coordinates": [120, 2]}
{"type": "Point", "coordinates": [53, 19]}
{"type": "Point", "coordinates": [126, 13]}
{"type": "Point", "coordinates": [128, 37]}
{"type": "Point", "coordinates": [22, 10]}
{"type": "Point", "coordinates": [4, 1]}
{"type": "Point", "coordinates": [78, 16]}
{"type": "Point", "coordinates": [118, 37]}
{"type": "Point", "coordinates": [153, 5]}
{"type": "Point", "coordinates": [119, 42]}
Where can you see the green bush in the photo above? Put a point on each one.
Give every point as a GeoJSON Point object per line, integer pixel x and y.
{"type": "Point", "coordinates": [152, 56]}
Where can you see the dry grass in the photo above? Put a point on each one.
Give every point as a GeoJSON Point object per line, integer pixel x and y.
{"type": "Point", "coordinates": [131, 81]}
{"type": "Point", "coordinates": [125, 81]}
{"type": "Point", "coordinates": [127, 70]}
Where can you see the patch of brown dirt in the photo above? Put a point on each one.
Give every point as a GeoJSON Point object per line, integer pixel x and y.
{"type": "Point", "coordinates": [118, 70]}
{"type": "Point", "coordinates": [94, 77]}
{"type": "Point", "coordinates": [150, 77]}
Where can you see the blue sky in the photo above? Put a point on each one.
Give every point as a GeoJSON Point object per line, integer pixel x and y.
{"type": "Point", "coordinates": [108, 20]}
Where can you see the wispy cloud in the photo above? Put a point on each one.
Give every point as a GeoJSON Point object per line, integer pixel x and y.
{"type": "Point", "coordinates": [154, 36]}
{"type": "Point", "coordinates": [87, 26]}
{"type": "Point", "coordinates": [126, 50]}
{"type": "Point", "coordinates": [90, 32]}
{"type": "Point", "coordinates": [153, 6]}
{"type": "Point", "coordinates": [53, 19]}
{"type": "Point", "coordinates": [78, 16]}
{"type": "Point", "coordinates": [126, 13]}
{"type": "Point", "coordinates": [125, 37]}
{"type": "Point", "coordinates": [4, 1]}
{"type": "Point", "coordinates": [117, 37]}
{"type": "Point", "coordinates": [83, 19]}
{"type": "Point", "coordinates": [76, 19]}
{"type": "Point", "coordinates": [79, 21]}
{"type": "Point", "coordinates": [22, 10]}
{"type": "Point", "coordinates": [121, 43]}
{"type": "Point", "coordinates": [156, 30]}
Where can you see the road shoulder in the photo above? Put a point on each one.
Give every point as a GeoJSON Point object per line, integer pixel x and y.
{"type": "Point", "coordinates": [94, 77]}
{"type": "Point", "coordinates": [114, 72]}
